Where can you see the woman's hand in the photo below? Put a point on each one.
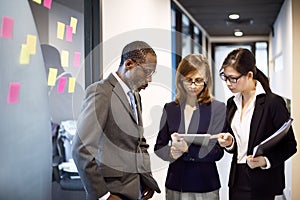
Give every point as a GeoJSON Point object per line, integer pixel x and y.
{"type": "Point", "coordinates": [179, 143]}
{"type": "Point", "coordinates": [175, 153]}
{"type": "Point", "coordinates": [179, 146]}
{"type": "Point", "coordinates": [254, 162]}
{"type": "Point", "coordinates": [224, 139]}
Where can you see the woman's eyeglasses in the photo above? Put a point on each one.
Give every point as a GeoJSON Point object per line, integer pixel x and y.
{"type": "Point", "coordinates": [196, 82]}
{"type": "Point", "coordinates": [230, 78]}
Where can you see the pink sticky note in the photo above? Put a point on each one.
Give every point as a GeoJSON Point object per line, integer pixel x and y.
{"type": "Point", "coordinates": [13, 93]}
{"type": "Point", "coordinates": [69, 31]}
{"type": "Point", "coordinates": [7, 27]}
{"type": "Point", "coordinates": [76, 61]}
{"type": "Point", "coordinates": [47, 3]}
{"type": "Point", "coordinates": [61, 84]}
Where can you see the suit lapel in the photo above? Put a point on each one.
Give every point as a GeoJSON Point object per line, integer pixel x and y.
{"type": "Point", "coordinates": [119, 92]}
{"type": "Point", "coordinates": [256, 118]}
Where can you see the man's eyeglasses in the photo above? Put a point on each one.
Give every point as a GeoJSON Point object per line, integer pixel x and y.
{"type": "Point", "coordinates": [147, 72]}
{"type": "Point", "coordinates": [230, 78]}
{"type": "Point", "coordinates": [196, 82]}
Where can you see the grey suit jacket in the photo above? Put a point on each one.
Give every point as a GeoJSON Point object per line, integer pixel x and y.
{"type": "Point", "coordinates": [109, 149]}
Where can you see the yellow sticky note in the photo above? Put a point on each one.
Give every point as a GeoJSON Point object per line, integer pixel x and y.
{"type": "Point", "coordinates": [60, 30]}
{"type": "Point", "coordinates": [73, 24]}
{"type": "Point", "coordinates": [31, 44]}
{"type": "Point", "coordinates": [37, 1]}
{"type": "Point", "coordinates": [52, 76]}
{"type": "Point", "coordinates": [24, 55]}
{"type": "Point", "coordinates": [64, 58]}
{"type": "Point", "coordinates": [71, 84]}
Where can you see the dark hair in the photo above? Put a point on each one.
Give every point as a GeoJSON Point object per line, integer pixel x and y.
{"type": "Point", "coordinates": [136, 51]}
{"type": "Point", "coordinates": [243, 61]}
{"type": "Point", "coordinates": [192, 63]}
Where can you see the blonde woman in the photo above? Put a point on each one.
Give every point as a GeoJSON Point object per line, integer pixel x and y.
{"type": "Point", "coordinates": [192, 173]}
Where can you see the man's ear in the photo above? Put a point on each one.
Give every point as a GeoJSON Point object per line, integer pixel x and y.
{"type": "Point", "coordinates": [129, 64]}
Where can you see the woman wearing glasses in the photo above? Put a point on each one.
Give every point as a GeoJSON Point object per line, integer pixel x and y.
{"type": "Point", "coordinates": [192, 173]}
{"type": "Point", "coordinates": [253, 114]}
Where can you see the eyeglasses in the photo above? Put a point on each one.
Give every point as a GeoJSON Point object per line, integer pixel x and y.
{"type": "Point", "coordinates": [197, 81]}
{"type": "Point", "coordinates": [147, 72]}
{"type": "Point", "coordinates": [230, 78]}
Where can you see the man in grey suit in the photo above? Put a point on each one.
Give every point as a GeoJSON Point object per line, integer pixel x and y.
{"type": "Point", "coordinates": [109, 148]}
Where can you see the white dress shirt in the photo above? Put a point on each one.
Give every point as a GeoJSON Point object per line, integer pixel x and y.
{"type": "Point", "coordinates": [241, 126]}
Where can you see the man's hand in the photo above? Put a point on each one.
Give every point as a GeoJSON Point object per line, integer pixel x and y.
{"type": "Point", "coordinates": [147, 193]}
{"type": "Point", "coordinates": [224, 139]}
{"type": "Point", "coordinates": [254, 162]}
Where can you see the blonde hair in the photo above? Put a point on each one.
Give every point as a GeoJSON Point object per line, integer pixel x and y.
{"type": "Point", "coordinates": [192, 63]}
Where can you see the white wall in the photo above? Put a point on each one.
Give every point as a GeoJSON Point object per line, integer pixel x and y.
{"type": "Point", "coordinates": [281, 52]}
{"type": "Point", "coordinates": [281, 68]}
{"type": "Point", "coordinates": [150, 21]}
{"type": "Point", "coordinates": [296, 97]}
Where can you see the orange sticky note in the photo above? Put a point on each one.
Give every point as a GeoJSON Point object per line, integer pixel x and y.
{"type": "Point", "coordinates": [69, 33]}
{"type": "Point", "coordinates": [31, 44]}
{"type": "Point", "coordinates": [13, 93]}
{"type": "Point", "coordinates": [64, 58]}
{"type": "Point", "coordinates": [61, 84]}
{"type": "Point", "coordinates": [7, 27]}
{"type": "Point", "coordinates": [71, 84]}
{"type": "Point", "coordinates": [48, 4]}
{"type": "Point", "coordinates": [24, 55]}
{"type": "Point", "coordinates": [73, 24]}
{"type": "Point", "coordinates": [60, 32]}
{"type": "Point", "coordinates": [76, 61]}
{"type": "Point", "coordinates": [52, 76]}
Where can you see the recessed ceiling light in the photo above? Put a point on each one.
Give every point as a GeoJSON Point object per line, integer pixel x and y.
{"type": "Point", "coordinates": [234, 16]}
{"type": "Point", "coordinates": [238, 33]}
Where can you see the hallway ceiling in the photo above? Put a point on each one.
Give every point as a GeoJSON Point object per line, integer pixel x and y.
{"type": "Point", "coordinates": [256, 16]}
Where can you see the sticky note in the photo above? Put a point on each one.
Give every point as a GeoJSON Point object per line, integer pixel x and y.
{"type": "Point", "coordinates": [71, 84]}
{"type": "Point", "coordinates": [73, 24]}
{"type": "Point", "coordinates": [61, 84]}
{"type": "Point", "coordinates": [37, 1]}
{"type": "Point", "coordinates": [24, 55]}
{"type": "Point", "coordinates": [68, 33]}
{"type": "Point", "coordinates": [52, 76]}
{"type": "Point", "coordinates": [7, 27]}
{"type": "Point", "coordinates": [31, 44]}
{"type": "Point", "coordinates": [76, 61]}
{"type": "Point", "coordinates": [47, 4]}
{"type": "Point", "coordinates": [13, 92]}
{"type": "Point", "coordinates": [60, 32]}
{"type": "Point", "coordinates": [64, 58]}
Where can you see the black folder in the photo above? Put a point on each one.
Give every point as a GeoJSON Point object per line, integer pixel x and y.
{"type": "Point", "coordinates": [273, 139]}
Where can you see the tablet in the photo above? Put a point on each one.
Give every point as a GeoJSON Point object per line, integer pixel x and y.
{"type": "Point", "coordinates": [199, 139]}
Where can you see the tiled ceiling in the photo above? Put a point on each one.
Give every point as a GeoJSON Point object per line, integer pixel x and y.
{"type": "Point", "coordinates": [256, 16]}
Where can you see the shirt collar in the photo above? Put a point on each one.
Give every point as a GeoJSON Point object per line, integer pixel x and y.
{"type": "Point", "coordinates": [259, 90]}
{"type": "Point", "coordinates": [123, 85]}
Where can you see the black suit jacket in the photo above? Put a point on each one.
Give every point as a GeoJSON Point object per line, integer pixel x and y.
{"type": "Point", "coordinates": [269, 114]}
{"type": "Point", "coordinates": [195, 171]}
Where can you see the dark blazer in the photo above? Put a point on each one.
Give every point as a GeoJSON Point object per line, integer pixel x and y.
{"type": "Point", "coordinates": [196, 170]}
{"type": "Point", "coordinates": [109, 148]}
{"type": "Point", "coordinates": [269, 114]}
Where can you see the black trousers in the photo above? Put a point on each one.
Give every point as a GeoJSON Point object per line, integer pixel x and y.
{"type": "Point", "coordinates": [242, 188]}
